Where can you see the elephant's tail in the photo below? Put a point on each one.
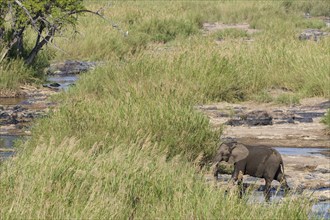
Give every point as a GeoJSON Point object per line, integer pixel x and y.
{"type": "Point", "coordinates": [282, 166]}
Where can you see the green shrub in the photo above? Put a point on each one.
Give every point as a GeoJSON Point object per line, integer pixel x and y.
{"type": "Point", "coordinates": [287, 99]}
{"type": "Point", "coordinates": [165, 30]}
{"type": "Point", "coordinates": [311, 23]}
{"type": "Point", "coordinates": [263, 97]}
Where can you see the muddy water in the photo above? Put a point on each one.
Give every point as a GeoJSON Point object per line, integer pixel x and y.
{"type": "Point", "coordinates": [320, 210]}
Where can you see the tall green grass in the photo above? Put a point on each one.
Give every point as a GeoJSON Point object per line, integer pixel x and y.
{"type": "Point", "coordinates": [126, 141]}
{"type": "Point", "coordinates": [125, 181]}
{"type": "Point", "coordinates": [13, 74]}
{"type": "Point", "coordinates": [276, 58]}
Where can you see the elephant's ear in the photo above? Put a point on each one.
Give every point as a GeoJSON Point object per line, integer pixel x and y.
{"type": "Point", "coordinates": [238, 153]}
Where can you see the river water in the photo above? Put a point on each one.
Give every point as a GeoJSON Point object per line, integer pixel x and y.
{"type": "Point", "coordinates": [64, 81]}
{"type": "Point", "coordinates": [61, 82]}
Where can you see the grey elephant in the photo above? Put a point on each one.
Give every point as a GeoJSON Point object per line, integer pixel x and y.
{"type": "Point", "coordinates": [262, 162]}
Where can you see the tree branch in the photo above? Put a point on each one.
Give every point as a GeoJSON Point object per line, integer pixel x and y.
{"type": "Point", "coordinates": [33, 22]}
{"type": "Point", "coordinates": [10, 46]}
{"type": "Point", "coordinates": [45, 26]}
{"type": "Point", "coordinates": [26, 11]}
{"type": "Point", "coordinates": [39, 45]}
{"type": "Point", "coordinates": [114, 25]}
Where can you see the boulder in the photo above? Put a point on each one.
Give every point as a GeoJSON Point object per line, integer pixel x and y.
{"type": "Point", "coordinates": [70, 67]}
{"type": "Point", "coordinates": [312, 34]}
{"type": "Point", "coordinates": [252, 118]}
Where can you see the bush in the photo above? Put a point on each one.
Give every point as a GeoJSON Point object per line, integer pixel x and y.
{"type": "Point", "coordinates": [165, 30]}
{"type": "Point", "coordinates": [326, 119]}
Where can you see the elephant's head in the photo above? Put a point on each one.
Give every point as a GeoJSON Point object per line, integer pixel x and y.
{"type": "Point", "coordinates": [230, 153]}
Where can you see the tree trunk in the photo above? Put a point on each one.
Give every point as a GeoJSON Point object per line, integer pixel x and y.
{"type": "Point", "coordinates": [32, 55]}
{"type": "Point", "coordinates": [19, 45]}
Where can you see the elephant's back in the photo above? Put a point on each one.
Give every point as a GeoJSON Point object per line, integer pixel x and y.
{"type": "Point", "coordinates": [262, 159]}
{"type": "Point", "coordinates": [261, 150]}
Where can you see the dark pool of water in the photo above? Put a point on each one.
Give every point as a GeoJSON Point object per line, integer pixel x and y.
{"type": "Point", "coordinates": [65, 82]}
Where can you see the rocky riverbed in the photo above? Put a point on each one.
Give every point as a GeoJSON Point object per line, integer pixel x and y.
{"type": "Point", "coordinates": [297, 127]}
{"type": "Point", "coordinates": [16, 114]}
{"type": "Point", "coordinates": [19, 109]}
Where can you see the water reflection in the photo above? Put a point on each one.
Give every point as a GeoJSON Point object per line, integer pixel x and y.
{"type": "Point", "coordinates": [321, 210]}
{"type": "Point", "coordinates": [64, 81]}
{"type": "Point", "coordinates": [292, 151]}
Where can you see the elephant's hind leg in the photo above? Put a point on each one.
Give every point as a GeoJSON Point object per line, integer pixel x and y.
{"type": "Point", "coordinates": [267, 189]}
{"type": "Point", "coordinates": [280, 178]}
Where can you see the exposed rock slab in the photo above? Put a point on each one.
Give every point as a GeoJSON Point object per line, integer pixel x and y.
{"type": "Point", "coordinates": [17, 114]}
{"type": "Point", "coordinates": [312, 34]}
{"type": "Point", "coordinates": [212, 27]}
{"type": "Point", "coordinates": [70, 67]}
{"type": "Point", "coordinates": [296, 126]}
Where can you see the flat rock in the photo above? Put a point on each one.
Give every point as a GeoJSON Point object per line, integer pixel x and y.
{"type": "Point", "coordinates": [212, 27]}
{"type": "Point", "coordinates": [312, 34]}
{"type": "Point", "coordinates": [292, 126]}
{"type": "Point", "coordinates": [272, 125]}
{"type": "Point", "coordinates": [70, 67]}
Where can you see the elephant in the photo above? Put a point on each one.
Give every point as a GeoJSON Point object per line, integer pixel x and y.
{"type": "Point", "coordinates": [263, 162]}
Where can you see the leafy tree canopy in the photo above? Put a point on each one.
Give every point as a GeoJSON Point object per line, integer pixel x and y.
{"type": "Point", "coordinates": [45, 17]}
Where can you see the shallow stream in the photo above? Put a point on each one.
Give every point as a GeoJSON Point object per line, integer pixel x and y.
{"type": "Point", "coordinates": [63, 81]}
{"type": "Point", "coordinates": [58, 82]}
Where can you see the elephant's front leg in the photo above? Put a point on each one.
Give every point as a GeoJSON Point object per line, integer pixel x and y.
{"type": "Point", "coordinates": [215, 170]}
{"type": "Point", "coordinates": [238, 176]}
{"type": "Point", "coordinates": [238, 173]}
